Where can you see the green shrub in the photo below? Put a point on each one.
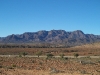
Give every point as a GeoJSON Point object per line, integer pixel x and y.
{"type": "Point", "coordinates": [13, 65]}
{"type": "Point", "coordinates": [24, 54]}
{"type": "Point", "coordinates": [50, 55]}
{"type": "Point", "coordinates": [39, 53]}
{"type": "Point", "coordinates": [20, 55]}
{"type": "Point", "coordinates": [62, 55]}
{"type": "Point", "coordinates": [76, 55]}
{"type": "Point", "coordinates": [0, 66]}
{"type": "Point", "coordinates": [10, 67]}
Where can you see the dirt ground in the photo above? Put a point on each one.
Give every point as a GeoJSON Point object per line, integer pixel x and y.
{"type": "Point", "coordinates": [33, 72]}
{"type": "Point", "coordinates": [50, 66]}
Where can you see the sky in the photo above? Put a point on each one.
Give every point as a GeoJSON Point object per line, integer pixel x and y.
{"type": "Point", "coordinates": [19, 16]}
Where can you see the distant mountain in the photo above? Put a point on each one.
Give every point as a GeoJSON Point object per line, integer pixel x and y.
{"type": "Point", "coordinates": [60, 37]}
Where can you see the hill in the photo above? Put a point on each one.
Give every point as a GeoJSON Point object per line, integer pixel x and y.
{"type": "Point", "coordinates": [58, 37]}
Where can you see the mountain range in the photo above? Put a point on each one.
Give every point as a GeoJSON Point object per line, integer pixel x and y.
{"type": "Point", "coordinates": [60, 37]}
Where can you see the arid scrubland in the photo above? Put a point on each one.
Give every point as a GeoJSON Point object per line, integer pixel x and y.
{"type": "Point", "coordinates": [49, 66]}
{"type": "Point", "coordinates": [21, 65]}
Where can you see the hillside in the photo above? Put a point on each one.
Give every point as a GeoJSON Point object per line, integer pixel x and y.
{"type": "Point", "coordinates": [58, 37]}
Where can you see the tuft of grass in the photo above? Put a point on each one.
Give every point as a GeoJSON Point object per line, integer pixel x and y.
{"type": "Point", "coordinates": [83, 72]}
{"type": "Point", "coordinates": [53, 70]}
{"type": "Point", "coordinates": [10, 67]}
{"type": "Point", "coordinates": [13, 65]}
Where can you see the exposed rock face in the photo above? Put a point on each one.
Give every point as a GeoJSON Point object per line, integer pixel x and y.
{"type": "Point", "coordinates": [53, 36]}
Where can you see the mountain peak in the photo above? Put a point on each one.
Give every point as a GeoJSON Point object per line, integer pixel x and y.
{"type": "Point", "coordinates": [54, 36]}
{"type": "Point", "coordinates": [79, 31]}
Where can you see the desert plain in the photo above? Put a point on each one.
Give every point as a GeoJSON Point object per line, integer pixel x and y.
{"type": "Point", "coordinates": [23, 65]}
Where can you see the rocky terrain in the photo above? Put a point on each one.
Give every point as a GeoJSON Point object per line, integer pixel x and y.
{"type": "Point", "coordinates": [51, 66]}
{"type": "Point", "coordinates": [22, 65]}
{"type": "Point", "coordinates": [60, 37]}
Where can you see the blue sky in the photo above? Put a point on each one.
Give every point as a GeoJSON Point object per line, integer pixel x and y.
{"type": "Point", "coordinates": [19, 16]}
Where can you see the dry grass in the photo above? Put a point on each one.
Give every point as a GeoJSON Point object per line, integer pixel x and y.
{"type": "Point", "coordinates": [52, 66]}
{"type": "Point", "coordinates": [43, 66]}
{"type": "Point", "coordinates": [33, 72]}
{"type": "Point", "coordinates": [81, 50]}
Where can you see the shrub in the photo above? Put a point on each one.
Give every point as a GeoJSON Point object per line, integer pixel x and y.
{"type": "Point", "coordinates": [13, 65]}
{"type": "Point", "coordinates": [24, 54]}
{"type": "Point", "coordinates": [53, 70]}
{"type": "Point", "coordinates": [76, 55]}
{"type": "Point", "coordinates": [20, 55]}
{"type": "Point", "coordinates": [50, 55]}
{"type": "Point", "coordinates": [9, 67]}
{"type": "Point", "coordinates": [62, 55]}
{"type": "Point", "coordinates": [0, 66]}
{"type": "Point", "coordinates": [39, 53]}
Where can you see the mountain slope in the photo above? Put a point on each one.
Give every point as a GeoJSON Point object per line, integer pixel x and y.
{"type": "Point", "coordinates": [54, 37]}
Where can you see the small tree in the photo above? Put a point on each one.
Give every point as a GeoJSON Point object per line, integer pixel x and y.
{"type": "Point", "coordinates": [62, 55]}
{"type": "Point", "coordinates": [76, 55]}
{"type": "Point", "coordinates": [39, 53]}
{"type": "Point", "coordinates": [24, 54]}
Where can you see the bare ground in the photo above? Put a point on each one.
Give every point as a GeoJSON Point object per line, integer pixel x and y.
{"type": "Point", "coordinates": [51, 66]}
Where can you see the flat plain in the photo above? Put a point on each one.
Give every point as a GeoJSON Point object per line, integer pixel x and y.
{"type": "Point", "coordinates": [22, 65]}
